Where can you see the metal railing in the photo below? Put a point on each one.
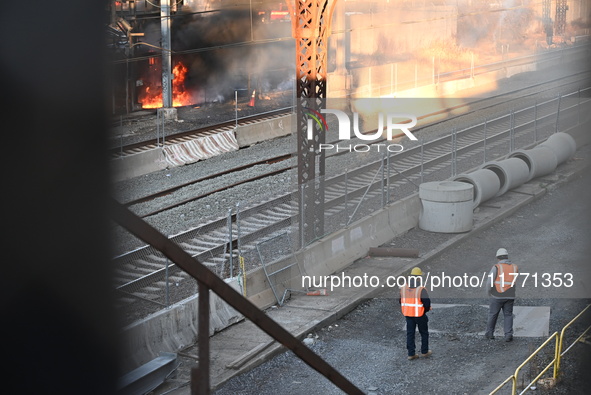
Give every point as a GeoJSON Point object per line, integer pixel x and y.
{"type": "Point", "coordinates": [222, 243]}
{"type": "Point", "coordinates": [207, 280]}
{"type": "Point", "coordinates": [555, 362]}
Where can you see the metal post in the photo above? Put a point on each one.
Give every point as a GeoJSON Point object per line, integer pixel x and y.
{"type": "Point", "coordinates": [383, 179]}
{"type": "Point", "coordinates": [388, 178]}
{"type": "Point", "coordinates": [346, 197]}
{"type": "Point", "coordinates": [302, 216]}
{"type": "Point", "coordinates": [166, 58]}
{"type": "Point", "coordinates": [236, 108]}
{"type": "Point", "coordinates": [166, 302]}
{"type": "Point", "coordinates": [558, 113]}
{"type": "Point", "coordinates": [511, 131]}
{"type": "Point", "coordinates": [158, 128]}
{"type": "Point", "coordinates": [579, 108]}
{"type": "Point", "coordinates": [311, 26]}
{"type": "Point", "coordinates": [200, 374]}
{"type": "Point", "coordinates": [251, 28]}
{"type": "Point", "coordinates": [453, 152]}
{"type": "Point", "coordinates": [485, 123]}
{"type": "Point", "coordinates": [163, 133]}
{"type": "Point", "coordinates": [422, 157]}
{"type": "Point", "coordinates": [536, 121]}
{"type": "Point", "coordinates": [230, 237]}
{"type": "Point", "coordinates": [238, 233]}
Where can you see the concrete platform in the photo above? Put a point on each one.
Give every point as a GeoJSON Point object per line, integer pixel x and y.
{"type": "Point", "coordinates": [528, 321]}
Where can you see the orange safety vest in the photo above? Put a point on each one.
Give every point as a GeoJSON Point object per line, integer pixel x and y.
{"type": "Point", "coordinates": [410, 302]}
{"type": "Point", "coordinates": [505, 276]}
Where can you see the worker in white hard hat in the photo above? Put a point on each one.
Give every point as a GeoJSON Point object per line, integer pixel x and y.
{"type": "Point", "coordinates": [502, 294]}
{"type": "Point", "coordinates": [414, 301]}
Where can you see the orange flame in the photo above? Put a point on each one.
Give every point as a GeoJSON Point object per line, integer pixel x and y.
{"type": "Point", "coordinates": [152, 97]}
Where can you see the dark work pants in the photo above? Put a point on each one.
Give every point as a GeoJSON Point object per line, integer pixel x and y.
{"type": "Point", "coordinates": [422, 324]}
{"type": "Point", "coordinates": [493, 312]}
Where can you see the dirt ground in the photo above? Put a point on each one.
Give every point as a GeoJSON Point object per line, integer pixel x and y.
{"type": "Point", "coordinates": [368, 345]}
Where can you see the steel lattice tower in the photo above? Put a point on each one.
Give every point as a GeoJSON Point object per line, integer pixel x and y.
{"type": "Point", "coordinates": [560, 23]}
{"type": "Point", "coordinates": [547, 21]}
{"type": "Point", "coordinates": [311, 21]}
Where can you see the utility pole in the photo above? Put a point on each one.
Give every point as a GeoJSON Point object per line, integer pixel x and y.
{"type": "Point", "coordinates": [167, 111]}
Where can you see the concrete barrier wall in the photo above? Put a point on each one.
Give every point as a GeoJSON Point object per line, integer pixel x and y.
{"type": "Point", "coordinates": [136, 165]}
{"type": "Point", "coordinates": [253, 133]}
{"type": "Point", "coordinates": [171, 329]}
{"type": "Point", "coordinates": [145, 162]}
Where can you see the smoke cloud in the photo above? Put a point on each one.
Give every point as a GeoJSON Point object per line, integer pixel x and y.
{"type": "Point", "coordinates": [227, 50]}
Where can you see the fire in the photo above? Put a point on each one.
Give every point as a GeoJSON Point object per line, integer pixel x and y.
{"type": "Point", "coordinates": [151, 97]}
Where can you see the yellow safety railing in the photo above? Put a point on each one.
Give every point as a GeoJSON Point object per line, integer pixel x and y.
{"type": "Point", "coordinates": [558, 353]}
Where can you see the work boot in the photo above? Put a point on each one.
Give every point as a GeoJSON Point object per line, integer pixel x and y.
{"type": "Point", "coordinates": [411, 357]}
{"type": "Point", "coordinates": [509, 338]}
{"type": "Point", "coordinates": [427, 354]}
{"type": "Point", "coordinates": [490, 337]}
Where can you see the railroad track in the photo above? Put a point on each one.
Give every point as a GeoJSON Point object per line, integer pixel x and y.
{"type": "Point", "coordinates": [177, 138]}
{"type": "Point", "coordinates": [134, 148]}
{"type": "Point", "coordinates": [142, 275]}
{"type": "Point", "coordinates": [481, 104]}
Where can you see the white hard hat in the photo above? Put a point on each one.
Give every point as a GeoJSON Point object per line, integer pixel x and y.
{"type": "Point", "coordinates": [502, 252]}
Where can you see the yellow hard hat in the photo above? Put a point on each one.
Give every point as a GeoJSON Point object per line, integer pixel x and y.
{"type": "Point", "coordinates": [416, 271]}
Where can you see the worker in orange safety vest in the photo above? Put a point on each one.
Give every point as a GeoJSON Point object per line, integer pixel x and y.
{"type": "Point", "coordinates": [502, 295]}
{"type": "Point", "coordinates": [414, 302]}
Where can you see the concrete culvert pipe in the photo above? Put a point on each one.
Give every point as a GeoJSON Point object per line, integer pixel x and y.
{"type": "Point", "coordinates": [562, 144]}
{"type": "Point", "coordinates": [446, 206]}
{"type": "Point", "coordinates": [540, 160]}
{"type": "Point", "coordinates": [485, 182]}
{"type": "Point", "coordinates": [511, 172]}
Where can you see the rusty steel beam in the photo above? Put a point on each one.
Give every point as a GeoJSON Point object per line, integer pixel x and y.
{"type": "Point", "coordinates": [208, 280]}
{"type": "Point", "coordinates": [311, 22]}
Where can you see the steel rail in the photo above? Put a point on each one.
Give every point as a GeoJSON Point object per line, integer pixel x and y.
{"type": "Point", "coordinates": [288, 156]}
{"type": "Point", "coordinates": [468, 143]}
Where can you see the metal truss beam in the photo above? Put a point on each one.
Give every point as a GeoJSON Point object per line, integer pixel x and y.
{"type": "Point", "coordinates": [311, 22]}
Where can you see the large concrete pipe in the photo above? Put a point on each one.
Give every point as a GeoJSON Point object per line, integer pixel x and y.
{"type": "Point", "coordinates": [446, 206]}
{"type": "Point", "coordinates": [562, 144]}
{"type": "Point", "coordinates": [540, 160]}
{"type": "Point", "coordinates": [511, 172]}
{"type": "Point", "coordinates": [485, 182]}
